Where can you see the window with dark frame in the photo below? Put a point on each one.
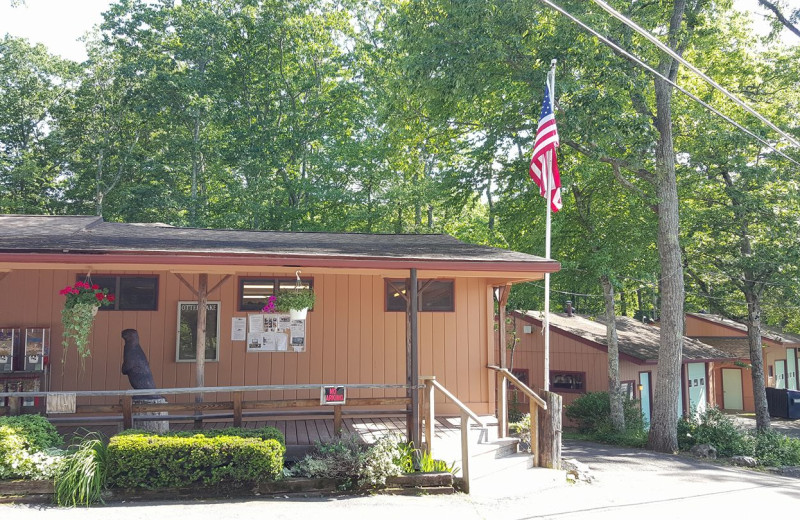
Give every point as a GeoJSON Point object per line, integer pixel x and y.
{"type": "Point", "coordinates": [253, 292]}
{"type": "Point", "coordinates": [561, 381]}
{"type": "Point", "coordinates": [131, 292]}
{"type": "Point", "coordinates": [434, 295]}
{"type": "Point", "coordinates": [627, 389]}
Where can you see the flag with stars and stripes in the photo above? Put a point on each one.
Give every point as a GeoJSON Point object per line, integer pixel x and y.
{"type": "Point", "coordinates": [544, 168]}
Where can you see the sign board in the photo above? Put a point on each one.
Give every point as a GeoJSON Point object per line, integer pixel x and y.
{"type": "Point", "coordinates": [332, 395]}
{"type": "Point", "coordinates": [272, 332]}
{"type": "Point", "coordinates": [60, 403]}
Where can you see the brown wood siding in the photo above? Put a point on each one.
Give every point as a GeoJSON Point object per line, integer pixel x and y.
{"type": "Point", "coordinates": [350, 338]}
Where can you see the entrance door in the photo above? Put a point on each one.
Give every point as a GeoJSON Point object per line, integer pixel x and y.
{"type": "Point", "coordinates": [791, 369]}
{"type": "Point", "coordinates": [644, 381]}
{"type": "Point", "coordinates": [696, 384]}
{"type": "Point", "coordinates": [780, 373]}
{"type": "Point", "coordinates": [732, 389]}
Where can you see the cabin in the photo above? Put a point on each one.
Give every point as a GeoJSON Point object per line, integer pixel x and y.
{"type": "Point", "coordinates": [779, 352]}
{"type": "Point", "coordinates": [360, 332]}
{"type": "Point", "coordinates": [579, 359]}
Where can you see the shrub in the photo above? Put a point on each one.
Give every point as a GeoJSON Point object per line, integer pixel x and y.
{"type": "Point", "coordinates": [82, 477]}
{"type": "Point", "coordinates": [427, 464]}
{"type": "Point", "coordinates": [351, 461]}
{"type": "Point", "coordinates": [592, 413]}
{"type": "Point", "coordinates": [27, 448]}
{"type": "Point", "coordinates": [522, 429]}
{"type": "Point", "coordinates": [153, 461]}
{"type": "Point", "coordinates": [774, 449]}
{"type": "Point", "coordinates": [715, 428]}
{"type": "Point", "coordinates": [265, 433]}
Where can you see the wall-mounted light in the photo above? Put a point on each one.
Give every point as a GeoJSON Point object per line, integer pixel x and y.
{"type": "Point", "coordinates": [641, 387]}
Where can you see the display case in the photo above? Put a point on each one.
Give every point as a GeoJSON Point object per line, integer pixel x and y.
{"type": "Point", "coordinates": [37, 348]}
{"type": "Point", "coordinates": [9, 345]}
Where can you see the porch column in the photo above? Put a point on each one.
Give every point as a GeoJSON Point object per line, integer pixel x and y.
{"type": "Point", "coordinates": [502, 338]}
{"type": "Point", "coordinates": [412, 357]}
{"type": "Point", "coordinates": [200, 345]}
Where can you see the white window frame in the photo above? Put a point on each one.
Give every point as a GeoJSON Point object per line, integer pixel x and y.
{"type": "Point", "coordinates": [178, 332]}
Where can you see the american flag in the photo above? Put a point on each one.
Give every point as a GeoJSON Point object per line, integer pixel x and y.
{"type": "Point", "coordinates": [543, 161]}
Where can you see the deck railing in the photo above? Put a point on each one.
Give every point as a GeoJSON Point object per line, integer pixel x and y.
{"type": "Point", "coordinates": [535, 402]}
{"type": "Point", "coordinates": [431, 385]}
{"type": "Point", "coordinates": [234, 408]}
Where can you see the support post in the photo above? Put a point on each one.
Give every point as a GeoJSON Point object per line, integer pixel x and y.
{"type": "Point", "coordinates": [337, 420]}
{"type": "Point", "coordinates": [237, 409]}
{"type": "Point", "coordinates": [534, 411]}
{"type": "Point", "coordinates": [502, 420]}
{"type": "Point", "coordinates": [430, 417]}
{"type": "Point", "coordinates": [502, 385]}
{"type": "Point", "coordinates": [412, 356]}
{"type": "Point", "coordinates": [200, 345]}
{"type": "Point", "coordinates": [465, 451]}
{"type": "Point", "coordinates": [127, 412]}
{"type": "Point", "coordinates": [550, 432]}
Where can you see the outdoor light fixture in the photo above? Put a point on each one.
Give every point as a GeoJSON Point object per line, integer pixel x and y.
{"type": "Point", "coordinates": [641, 387]}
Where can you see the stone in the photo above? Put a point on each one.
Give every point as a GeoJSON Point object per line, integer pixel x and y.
{"type": "Point", "coordinates": [704, 451]}
{"type": "Point", "coordinates": [744, 460]}
{"type": "Point", "coordinates": [577, 470]}
{"type": "Point", "coordinates": [150, 425]}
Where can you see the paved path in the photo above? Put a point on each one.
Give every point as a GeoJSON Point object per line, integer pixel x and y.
{"type": "Point", "coordinates": [630, 484]}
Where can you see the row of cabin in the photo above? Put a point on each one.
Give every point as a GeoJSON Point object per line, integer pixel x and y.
{"type": "Point", "coordinates": [714, 371]}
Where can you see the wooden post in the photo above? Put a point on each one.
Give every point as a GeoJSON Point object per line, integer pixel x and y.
{"type": "Point", "coordinates": [430, 417]}
{"type": "Point", "coordinates": [534, 411]}
{"type": "Point", "coordinates": [502, 399]}
{"type": "Point", "coordinates": [412, 356]}
{"type": "Point", "coordinates": [337, 420]}
{"type": "Point", "coordinates": [200, 345]}
{"type": "Point", "coordinates": [127, 412]}
{"type": "Point", "coordinates": [549, 448]}
{"type": "Point", "coordinates": [237, 409]}
{"type": "Point", "coordinates": [465, 450]}
{"type": "Point", "coordinates": [502, 384]}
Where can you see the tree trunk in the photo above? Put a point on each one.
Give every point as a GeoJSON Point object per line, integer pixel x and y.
{"type": "Point", "coordinates": [664, 424]}
{"type": "Point", "coordinates": [756, 359]}
{"type": "Point", "coordinates": [614, 390]}
{"type": "Point", "coordinates": [98, 202]}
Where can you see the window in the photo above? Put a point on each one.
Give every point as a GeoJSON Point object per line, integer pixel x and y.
{"type": "Point", "coordinates": [627, 389]}
{"type": "Point", "coordinates": [131, 293]}
{"type": "Point", "coordinates": [253, 292]}
{"type": "Point", "coordinates": [568, 381]}
{"type": "Point", "coordinates": [434, 295]}
{"type": "Point", "coordinates": [187, 331]}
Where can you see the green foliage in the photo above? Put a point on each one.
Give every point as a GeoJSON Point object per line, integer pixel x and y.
{"type": "Point", "coordinates": [82, 477]}
{"type": "Point", "coordinates": [351, 461]}
{"type": "Point", "coordinates": [28, 448]}
{"type": "Point", "coordinates": [592, 413]}
{"type": "Point", "coordinates": [265, 433]}
{"type": "Point", "coordinates": [294, 299]}
{"type": "Point", "coordinates": [153, 461]}
{"type": "Point", "coordinates": [427, 464]}
{"type": "Point", "coordinates": [774, 449]}
{"type": "Point", "coordinates": [715, 428]}
{"type": "Point", "coordinates": [522, 428]}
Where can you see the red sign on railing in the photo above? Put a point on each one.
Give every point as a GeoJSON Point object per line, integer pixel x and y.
{"type": "Point", "coordinates": [332, 395]}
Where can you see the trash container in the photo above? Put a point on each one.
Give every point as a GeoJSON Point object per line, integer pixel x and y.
{"type": "Point", "coordinates": [793, 402]}
{"type": "Point", "coordinates": [778, 402]}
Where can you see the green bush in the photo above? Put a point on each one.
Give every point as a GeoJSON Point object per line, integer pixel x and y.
{"type": "Point", "coordinates": [592, 414]}
{"type": "Point", "coordinates": [265, 433]}
{"type": "Point", "coordinates": [349, 460]}
{"type": "Point", "coordinates": [153, 461]}
{"type": "Point", "coordinates": [715, 428]}
{"type": "Point", "coordinates": [27, 448]}
{"type": "Point", "coordinates": [37, 432]}
{"type": "Point", "coordinates": [774, 449]}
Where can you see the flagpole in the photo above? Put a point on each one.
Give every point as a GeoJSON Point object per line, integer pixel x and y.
{"type": "Point", "coordinates": [551, 82]}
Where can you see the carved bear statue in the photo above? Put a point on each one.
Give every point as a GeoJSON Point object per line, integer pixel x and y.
{"type": "Point", "coordinates": [134, 362]}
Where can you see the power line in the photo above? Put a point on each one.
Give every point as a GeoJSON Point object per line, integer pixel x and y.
{"type": "Point", "coordinates": [650, 69]}
{"type": "Point", "coordinates": [630, 23]}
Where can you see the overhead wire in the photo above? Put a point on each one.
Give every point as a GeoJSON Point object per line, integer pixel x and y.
{"type": "Point", "coordinates": [650, 69]}
{"type": "Point", "coordinates": [658, 43]}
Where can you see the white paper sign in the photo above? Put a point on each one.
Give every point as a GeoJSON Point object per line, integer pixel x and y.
{"type": "Point", "coordinates": [238, 329]}
{"type": "Point", "coordinates": [256, 323]}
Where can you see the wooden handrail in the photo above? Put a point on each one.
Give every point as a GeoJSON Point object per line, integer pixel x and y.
{"type": "Point", "coordinates": [455, 400]}
{"type": "Point", "coordinates": [522, 386]}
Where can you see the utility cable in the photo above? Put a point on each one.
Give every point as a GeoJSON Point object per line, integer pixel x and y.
{"type": "Point", "coordinates": [658, 74]}
{"type": "Point", "coordinates": [658, 43]}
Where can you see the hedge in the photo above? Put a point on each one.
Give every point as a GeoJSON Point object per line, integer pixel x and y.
{"type": "Point", "coordinates": [153, 461]}
{"type": "Point", "coordinates": [265, 433]}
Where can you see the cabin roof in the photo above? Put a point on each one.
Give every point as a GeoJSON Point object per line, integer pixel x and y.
{"type": "Point", "coordinates": [771, 333]}
{"type": "Point", "coordinates": [93, 235]}
{"type": "Point", "coordinates": [635, 339]}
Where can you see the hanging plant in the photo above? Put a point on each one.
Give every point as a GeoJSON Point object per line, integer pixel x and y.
{"type": "Point", "coordinates": [77, 317]}
{"type": "Point", "coordinates": [295, 302]}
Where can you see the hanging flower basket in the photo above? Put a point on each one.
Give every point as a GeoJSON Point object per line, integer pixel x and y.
{"type": "Point", "coordinates": [295, 301]}
{"type": "Point", "coordinates": [77, 317]}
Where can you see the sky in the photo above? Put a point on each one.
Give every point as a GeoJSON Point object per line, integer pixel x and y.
{"type": "Point", "coordinates": [58, 24]}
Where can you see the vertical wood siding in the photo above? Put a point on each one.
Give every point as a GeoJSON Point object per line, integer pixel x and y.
{"type": "Point", "coordinates": [350, 338]}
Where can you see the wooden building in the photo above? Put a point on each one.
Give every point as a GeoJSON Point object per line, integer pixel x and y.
{"type": "Point", "coordinates": [355, 333]}
{"type": "Point", "coordinates": [780, 356]}
{"type": "Point", "coordinates": [579, 359]}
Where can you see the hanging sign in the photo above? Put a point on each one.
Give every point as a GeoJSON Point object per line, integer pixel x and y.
{"type": "Point", "coordinates": [332, 395]}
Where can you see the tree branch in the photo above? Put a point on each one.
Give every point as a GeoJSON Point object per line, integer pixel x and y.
{"type": "Point", "coordinates": [779, 15]}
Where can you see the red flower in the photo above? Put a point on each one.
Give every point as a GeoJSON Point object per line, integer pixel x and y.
{"type": "Point", "coordinates": [64, 291]}
{"type": "Point", "coordinates": [99, 296]}
{"type": "Point", "coordinates": [95, 287]}
{"type": "Point", "coordinates": [110, 297]}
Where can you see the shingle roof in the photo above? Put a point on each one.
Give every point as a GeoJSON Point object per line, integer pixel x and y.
{"type": "Point", "coordinates": [736, 347]}
{"type": "Point", "coordinates": [57, 234]}
{"type": "Point", "coordinates": [771, 333]}
{"type": "Point", "coordinates": [635, 339]}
